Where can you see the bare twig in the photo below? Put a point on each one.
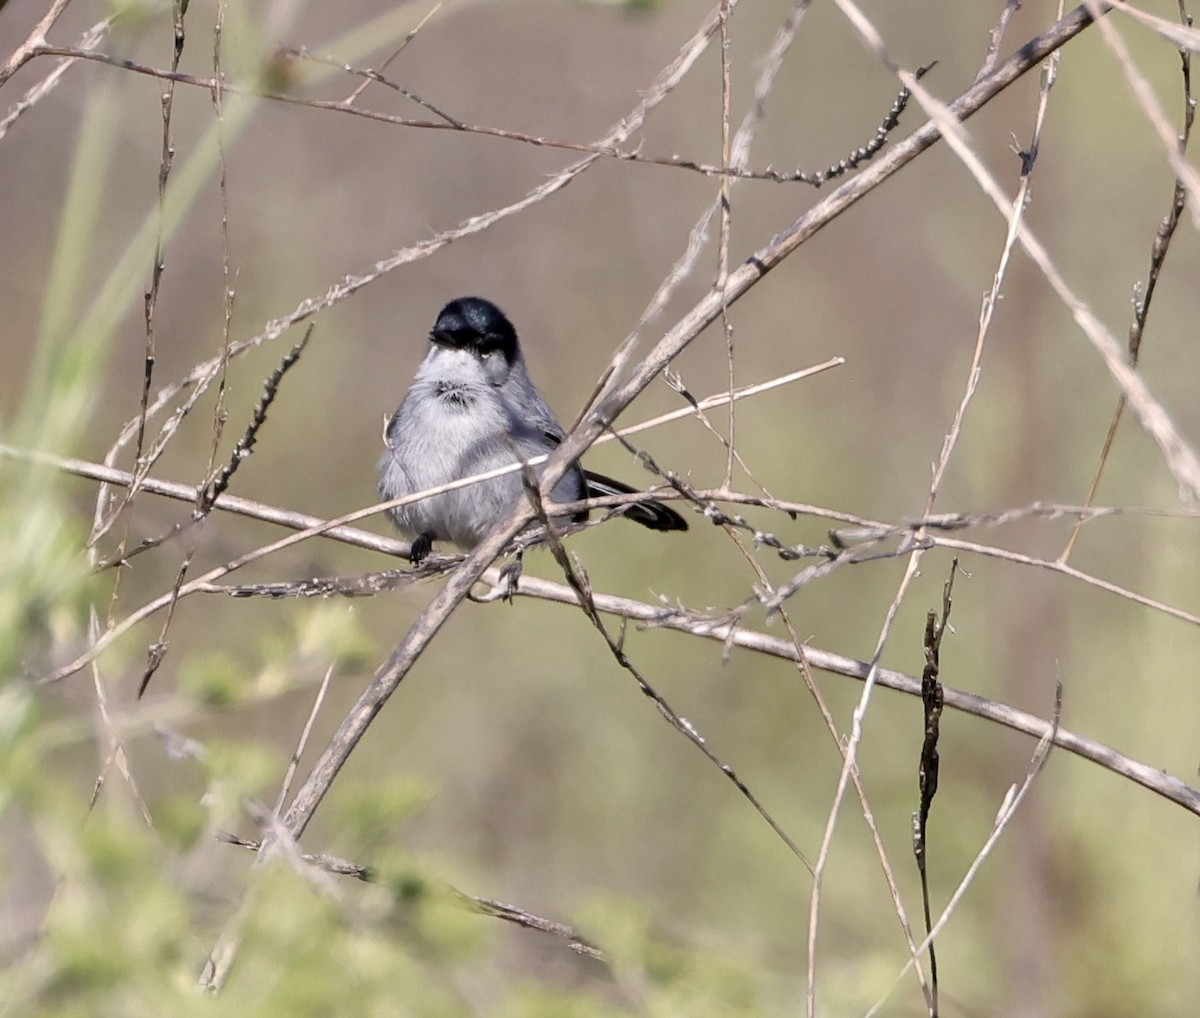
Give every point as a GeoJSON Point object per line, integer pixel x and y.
{"type": "Point", "coordinates": [578, 581]}
{"type": "Point", "coordinates": [866, 529]}
{"type": "Point", "coordinates": [285, 786]}
{"type": "Point", "coordinates": [116, 749]}
{"type": "Point", "coordinates": [1007, 810]}
{"type": "Point", "coordinates": [724, 200]}
{"type": "Point", "coordinates": [996, 36]}
{"type": "Point", "coordinates": [207, 495]}
{"type": "Point", "coordinates": [485, 906]}
{"type": "Point", "coordinates": [34, 42]}
{"type": "Point", "coordinates": [665, 617]}
{"type": "Point", "coordinates": [1181, 34]}
{"type": "Point", "coordinates": [608, 149]}
{"type": "Point", "coordinates": [167, 160]}
{"type": "Point", "coordinates": [90, 40]}
{"type": "Point", "coordinates": [933, 697]}
{"type": "Point", "coordinates": [227, 291]}
{"type": "Point", "coordinates": [1180, 459]}
{"type": "Point", "coordinates": [764, 584]}
{"type": "Point", "coordinates": [739, 155]}
{"type": "Point", "coordinates": [869, 34]}
{"type": "Point", "coordinates": [1143, 299]}
{"type": "Point", "coordinates": [1186, 175]}
{"type": "Point", "coordinates": [412, 34]}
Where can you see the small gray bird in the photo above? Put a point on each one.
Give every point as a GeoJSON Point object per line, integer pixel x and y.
{"type": "Point", "coordinates": [472, 407]}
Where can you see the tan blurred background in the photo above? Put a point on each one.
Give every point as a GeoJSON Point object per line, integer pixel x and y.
{"type": "Point", "coordinates": [554, 783]}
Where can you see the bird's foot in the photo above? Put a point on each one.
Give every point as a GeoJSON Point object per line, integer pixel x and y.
{"type": "Point", "coordinates": [510, 575]}
{"type": "Point", "coordinates": [420, 548]}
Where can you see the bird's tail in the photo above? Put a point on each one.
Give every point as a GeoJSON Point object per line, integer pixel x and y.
{"type": "Point", "coordinates": [649, 513]}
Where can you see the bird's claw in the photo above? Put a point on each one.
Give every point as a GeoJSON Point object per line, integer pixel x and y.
{"type": "Point", "coordinates": [420, 548]}
{"type": "Point", "coordinates": [510, 575]}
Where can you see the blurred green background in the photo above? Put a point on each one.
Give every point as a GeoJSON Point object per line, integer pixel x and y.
{"type": "Point", "coordinates": [517, 760]}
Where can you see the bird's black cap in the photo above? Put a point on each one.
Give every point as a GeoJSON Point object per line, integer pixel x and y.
{"type": "Point", "coordinates": [472, 323]}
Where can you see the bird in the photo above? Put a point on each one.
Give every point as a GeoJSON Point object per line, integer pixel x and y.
{"type": "Point", "coordinates": [472, 408]}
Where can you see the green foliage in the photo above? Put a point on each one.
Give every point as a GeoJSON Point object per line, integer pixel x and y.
{"type": "Point", "coordinates": [116, 930]}
{"type": "Point", "coordinates": [331, 632]}
{"type": "Point", "coordinates": [242, 768]}
{"type": "Point", "coordinates": [369, 815]}
{"type": "Point", "coordinates": [215, 679]}
{"type": "Point", "coordinates": [299, 956]}
{"type": "Point", "coordinates": [678, 977]}
{"type": "Point", "coordinates": [540, 1002]}
{"type": "Point", "coordinates": [180, 820]}
{"type": "Point", "coordinates": [43, 582]}
{"type": "Point", "coordinates": [317, 636]}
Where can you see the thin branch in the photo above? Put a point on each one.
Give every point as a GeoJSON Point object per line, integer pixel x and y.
{"type": "Point", "coordinates": [608, 149]}
{"type": "Point", "coordinates": [89, 41]}
{"type": "Point", "coordinates": [739, 156]}
{"type": "Point", "coordinates": [353, 96]}
{"type": "Point", "coordinates": [116, 749]}
{"type": "Point", "coordinates": [1187, 176]}
{"type": "Point", "coordinates": [205, 498]}
{"type": "Point", "coordinates": [1143, 299]}
{"type": "Point", "coordinates": [1181, 33]}
{"type": "Point", "coordinates": [34, 43]}
{"type": "Point", "coordinates": [227, 292]}
{"type": "Point", "coordinates": [724, 201]}
{"type": "Point", "coordinates": [995, 37]}
{"type": "Point", "coordinates": [578, 581]}
{"type": "Point", "coordinates": [369, 75]}
{"type": "Point", "coordinates": [662, 617]}
{"type": "Point", "coordinates": [919, 543]}
{"type": "Point", "coordinates": [484, 906]}
{"type": "Point", "coordinates": [889, 875]}
{"type": "Point", "coordinates": [866, 529]}
{"type": "Point", "coordinates": [1180, 459]}
{"type": "Point", "coordinates": [1007, 811]}
{"type": "Point", "coordinates": [166, 161]}
{"type": "Point", "coordinates": [285, 786]}
{"type": "Point", "coordinates": [814, 691]}
{"type": "Point", "coordinates": [666, 617]}
{"type": "Point", "coordinates": [933, 698]}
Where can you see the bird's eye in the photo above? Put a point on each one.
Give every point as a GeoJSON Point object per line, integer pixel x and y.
{"type": "Point", "coordinates": [490, 344]}
{"type": "Point", "coordinates": [459, 339]}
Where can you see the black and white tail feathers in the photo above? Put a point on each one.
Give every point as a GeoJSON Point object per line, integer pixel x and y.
{"type": "Point", "coordinates": [650, 513]}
